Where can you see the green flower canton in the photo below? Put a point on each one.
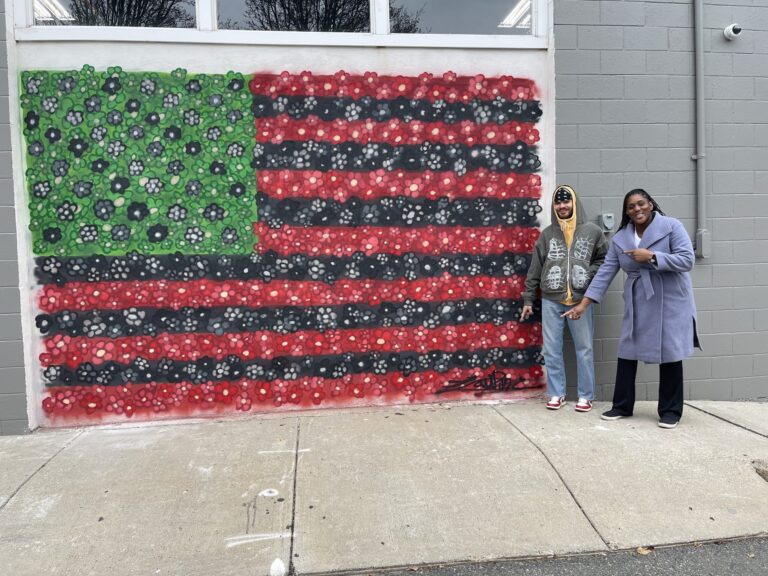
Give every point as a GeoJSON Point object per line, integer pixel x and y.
{"type": "Point", "coordinates": [121, 161]}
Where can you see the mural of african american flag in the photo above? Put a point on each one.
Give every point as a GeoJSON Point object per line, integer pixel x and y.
{"type": "Point", "coordinates": [212, 243]}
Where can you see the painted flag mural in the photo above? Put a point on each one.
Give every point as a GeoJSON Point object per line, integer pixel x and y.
{"type": "Point", "coordinates": [220, 243]}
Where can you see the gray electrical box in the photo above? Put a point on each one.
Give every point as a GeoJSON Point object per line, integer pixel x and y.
{"type": "Point", "coordinates": [606, 222]}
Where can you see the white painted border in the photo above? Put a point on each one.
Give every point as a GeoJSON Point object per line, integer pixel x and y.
{"type": "Point", "coordinates": [207, 33]}
{"type": "Point", "coordinates": [31, 342]}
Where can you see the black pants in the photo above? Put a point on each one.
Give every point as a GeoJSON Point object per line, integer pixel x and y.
{"type": "Point", "coordinates": [670, 388]}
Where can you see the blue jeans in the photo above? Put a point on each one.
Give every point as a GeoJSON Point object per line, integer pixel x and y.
{"type": "Point", "coordinates": [581, 331]}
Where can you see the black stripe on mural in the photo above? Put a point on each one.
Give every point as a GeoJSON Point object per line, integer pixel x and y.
{"type": "Point", "coordinates": [270, 266]}
{"type": "Point", "coordinates": [497, 111]}
{"type": "Point", "coordinates": [283, 320]}
{"type": "Point", "coordinates": [287, 368]}
{"type": "Point", "coordinates": [398, 211]}
{"type": "Point", "coordinates": [459, 158]}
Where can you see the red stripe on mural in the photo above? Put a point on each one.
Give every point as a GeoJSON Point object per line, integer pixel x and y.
{"type": "Point", "coordinates": [433, 240]}
{"type": "Point", "coordinates": [186, 398]}
{"type": "Point", "coordinates": [448, 87]}
{"type": "Point", "coordinates": [394, 131]}
{"type": "Point", "coordinates": [73, 351]}
{"type": "Point", "coordinates": [342, 186]}
{"type": "Point", "coordinates": [80, 296]}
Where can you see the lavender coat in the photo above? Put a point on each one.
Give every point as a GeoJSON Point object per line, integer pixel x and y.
{"type": "Point", "coordinates": [659, 311]}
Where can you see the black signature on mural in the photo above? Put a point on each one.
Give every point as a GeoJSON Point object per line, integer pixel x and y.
{"type": "Point", "coordinates": [495, 381]}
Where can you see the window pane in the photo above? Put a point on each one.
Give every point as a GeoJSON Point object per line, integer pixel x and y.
{"type": "Point", "coordinates": [460, 16]}
{"type": "Point", "coordinates": [138, 13]}
{"type": "Point", "coordinates": [296, 15]}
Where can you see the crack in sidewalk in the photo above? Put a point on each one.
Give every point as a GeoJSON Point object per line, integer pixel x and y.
{"type": "Point", "coordinates": [291, 566]}
{"type": "Point", "coordinates": [66, 445]}
{"type": "Point", "coordinates": [562, 480]}
{"type": "Point", "coordinates": [726, 420]}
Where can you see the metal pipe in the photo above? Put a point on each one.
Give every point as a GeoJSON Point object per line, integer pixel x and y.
{"type": "Point", "coordinates": [703, 239]}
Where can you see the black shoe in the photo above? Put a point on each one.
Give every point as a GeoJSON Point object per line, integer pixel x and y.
{"type": "Point", "coordinates": [668, 421]}
{"type": "Point", "coordinates": [614, 414]}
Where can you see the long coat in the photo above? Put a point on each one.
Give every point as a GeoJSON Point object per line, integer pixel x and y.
{"type": "Point", "coordinates": [659, 311]}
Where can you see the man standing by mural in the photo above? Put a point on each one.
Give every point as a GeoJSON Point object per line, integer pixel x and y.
{"type": "Point", "coordinates": [564, 260]}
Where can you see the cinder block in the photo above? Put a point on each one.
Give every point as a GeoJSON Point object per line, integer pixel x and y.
{"type": "Point", "coordinates": [645, 38]}
{"type": "Point", "coordinates": [670, 111]}
{"type": "Point", "coordinates": [750, 112]}
{"type": "Point", "coordinates": [760, 366]}
{"type": "Point", "coordinates": [623, 159]}
{"type": "Point", "coordinates": [600, 136]}
{"type": "Point", "coordinates": [746, 297]}
{"type": "Point", "coordinates": [622, 62]}
{"type": "Point", "coordinates": [761, 135]}
{"type": "Point", "coordinates": [761, 88]}
{"type": "Point", "coordinates": [734, 228]}
{"type": "Point", "coordinates": [577, 62]}
{"type": "Point", "coordinates": [681, 135]}
{"type": "Point", "coordinates": [577, 160]}
{"type": "Point", "coordinates": [715, 15]}
{"type": "Point", "coordinates": [732, 182]}
{"type": "Point", "coordinates": [601, 37]}
{"type": "Point", "coordinates": [718, 64]}
{"type": "Point", "coordinates": [720, 204]}
{"type": "Point", "coordinates": [681, 39]}
{"type": "Point", "coordinates": [645, 135]}
{"type": "Point", "coordinates": [601, 87]}
{"type": "Point", "coordinates": [721, 159]}
{"type": "Point", "coordinates": [10, 327]}
{"type": "Point", "coordinates": [732, 320]}
{"type": "Point", "coordinates": [622, 111]}
{"type": "Point", "coordinates": [6, 169]}
{"type": "Point", "coordinates": [7, 220]}
{"type": "Point", "coordinates": [750, 343]}
{"type": "Point", "coordinates": [761, 228]}
{"type": "Point", "coordinates": [749, 389]}
{"type": "Point", "coordinates": [14, 427]}
{"type": "Point", "coordinates": [646, 87]}
{"type": "Point", "coordinates": [720, 111]}
{"type": "Point", "coordinates": [600, 184]}
{"type": "Point", "coordinates": [606, 325]}
{"type": "Point", "coordinates": [9, 273]}
{"type": "Point", "coordinates": [761, 320]}
{"type": "Point", "coordinates": [731, 366]}
{"type": "Point", "coordinates": [656, 183]}
{"type": "Point", "coordinates": [697, 368]}
{"type": "Point", "coordinates": [750, 158]}
{"type": "Point", "coordinates": [8, 247]}
{"type": "Point", "coordinates": [13, 406]}
{"type": "Point", "coordinates": [761, 275]}
{"type": "Point", "coordinates": [710, 389]}
{"type": "Point", "coordinates": [748, 204]}
{"type": "Point", "coordinates": [722, 251]}
{"type": "Point", "coordinates": [714, 298]}
{"type": "Point", "coordinates": [622, 13]}
{"type": "Point", "coordinates": [682, 87]}
{"type": "Point", "coordinates": [567, 136]}
{"type": "Point", "coordinates": [576, 12]}
{"type": "Point", "coordinates": [578, 111]}
{"type": "Point", "coordinates": [682, 205]}
{"type": "Point", "coordinates": [566, 37]}
{"type": "Point", "coordinates": [5, 137]}
{"type": "Point", "coordinates": [11, 380]}
{"type": "Point", "coordinates": [11, 353]}
{"type": "Point", "coordinates": [729, 87]}
{"type": "Point", "coordinates": [666, 62]}
{"type": "Point", "coordinates": [9, 300]}
{"type": "Point", "coordinates": [566, 87]}
{"type": "Point", "coordinates": [669, 159]}
{"type": "Point", "coordinates": [668, 14]}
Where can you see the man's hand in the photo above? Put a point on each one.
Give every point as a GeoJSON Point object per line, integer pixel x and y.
{"type": "Point", "coordinates": [526, 313]}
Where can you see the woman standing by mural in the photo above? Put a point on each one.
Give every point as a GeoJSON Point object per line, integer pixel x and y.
{"type": "Point", "coordinates": [659, 325]}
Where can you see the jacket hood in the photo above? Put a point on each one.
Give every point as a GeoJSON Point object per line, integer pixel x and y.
{"type": "Point", "coordinates": [578, 208]}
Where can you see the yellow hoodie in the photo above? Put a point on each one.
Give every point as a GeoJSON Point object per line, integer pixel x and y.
{"type": "Point", "coordinates": [568, 226]}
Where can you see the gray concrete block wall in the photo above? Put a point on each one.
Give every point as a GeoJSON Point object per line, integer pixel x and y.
{"type": "Point", "coordinates": [625, 119]}
{"type": "Point", "coordinates": [13, 402]}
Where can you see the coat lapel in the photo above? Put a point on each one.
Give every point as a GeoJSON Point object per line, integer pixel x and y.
{"type": "Point", "coordinates": [625, 238]}
{"type": "Point", "coordinates": [657, 229]}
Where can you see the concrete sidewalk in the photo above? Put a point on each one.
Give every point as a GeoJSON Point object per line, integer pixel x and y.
{"type": "Point", "coordinates": [371, 488]}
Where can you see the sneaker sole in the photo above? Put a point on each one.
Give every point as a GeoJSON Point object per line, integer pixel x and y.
{"type": "Point", "coordinates": [586, 409]}
{"type": "Point", "coordinates": [611, 418]}
{"type": "Point", "coordinates": [556, 407]}
{"type": "Point", "coordinates": [667, 426]}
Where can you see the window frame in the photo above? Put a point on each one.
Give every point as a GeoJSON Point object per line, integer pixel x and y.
{"type": "Point", "coordinates": [206, 32]}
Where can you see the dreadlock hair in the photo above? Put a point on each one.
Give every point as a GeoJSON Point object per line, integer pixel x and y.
{"type": "Point", "coordinates": [625, 218]}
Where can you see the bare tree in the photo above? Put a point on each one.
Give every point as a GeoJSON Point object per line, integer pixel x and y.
{"type": "Point", "coordinates": [323, 16]}
{"type": "Point", "coordinates": [149, 13]}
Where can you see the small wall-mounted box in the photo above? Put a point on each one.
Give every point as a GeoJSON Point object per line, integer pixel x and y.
{"type": "Point", "coordinates": [606, 222]}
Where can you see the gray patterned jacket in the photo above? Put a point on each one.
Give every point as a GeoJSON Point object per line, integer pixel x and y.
{"type": "Point", "coordinates": [553, 266]}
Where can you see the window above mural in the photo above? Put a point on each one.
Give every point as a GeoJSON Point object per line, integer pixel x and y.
{"type": "Point", "coordinates": [423, 23]}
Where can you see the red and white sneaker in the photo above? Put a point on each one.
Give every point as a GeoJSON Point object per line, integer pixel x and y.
{"type": "Point", "coordinates": [583, 405]}
{"type": "Point", "coordinates": [556, 402]}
